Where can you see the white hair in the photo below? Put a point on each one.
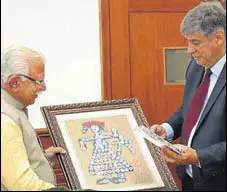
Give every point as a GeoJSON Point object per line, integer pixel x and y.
{"type": "Point", "coordinates": [16, 60]}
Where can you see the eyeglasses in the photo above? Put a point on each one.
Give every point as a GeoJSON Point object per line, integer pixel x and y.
{"type": "Point", "coordinates": [40, 82]}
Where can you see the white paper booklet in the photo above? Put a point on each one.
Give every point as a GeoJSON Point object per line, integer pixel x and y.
{"type": "Point", "coordinates": [154, 138]}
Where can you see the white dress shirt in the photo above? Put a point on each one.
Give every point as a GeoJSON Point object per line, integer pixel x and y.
{"type": "Point", "coordinates": [216, 71]}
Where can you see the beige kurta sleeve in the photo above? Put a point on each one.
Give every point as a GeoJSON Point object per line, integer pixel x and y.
{"type": "Point", "coordinates": [16, 172]}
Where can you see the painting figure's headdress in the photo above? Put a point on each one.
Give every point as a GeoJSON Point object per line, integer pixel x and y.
{"type": "Point", "coordinates": [88, 124]}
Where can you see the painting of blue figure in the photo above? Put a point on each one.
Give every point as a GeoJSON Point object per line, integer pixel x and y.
{"type": "Point", "coordinates": [106, 160]}
{"type": "Point", "coordinates": [109, 155]}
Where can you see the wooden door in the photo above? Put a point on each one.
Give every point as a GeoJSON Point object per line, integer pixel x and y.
{"type": "Point", "coordinates": [134, 34]}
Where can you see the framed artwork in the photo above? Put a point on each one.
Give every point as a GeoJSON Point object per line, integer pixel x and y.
{"type": "Point", "coordinates": [103, 150]}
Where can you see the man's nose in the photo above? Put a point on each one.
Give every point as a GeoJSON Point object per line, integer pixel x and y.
{"type": "Point", "coordinates": [43, 86]}
{"type": "Point", "coordinates": [191, 49]}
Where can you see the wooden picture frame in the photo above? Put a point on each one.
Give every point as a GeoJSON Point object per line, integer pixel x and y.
{"type": "Point", "coordinates": [103, 151]}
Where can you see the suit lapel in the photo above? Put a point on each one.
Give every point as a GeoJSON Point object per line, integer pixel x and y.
{"type": "Point", "coordinates": [214, 95]}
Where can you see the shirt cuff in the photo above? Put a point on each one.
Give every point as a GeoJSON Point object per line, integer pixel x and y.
{"type": "Point", "coordinates": [198, 164]}
{"type": "Point", "coordinates": [169, 131]}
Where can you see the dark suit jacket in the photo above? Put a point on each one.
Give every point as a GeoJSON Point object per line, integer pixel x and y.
{"type": "Point", "coordinates": [210, 135]}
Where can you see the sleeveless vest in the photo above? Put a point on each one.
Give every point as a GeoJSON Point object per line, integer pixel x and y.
{"type": "Point", "coordinates": [38, 161]}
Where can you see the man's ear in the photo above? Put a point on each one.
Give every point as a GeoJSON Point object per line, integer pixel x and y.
{"type": "Point", "coordinates": [220, 37]}
{"type": "Point", "coordinates": [13, 82]}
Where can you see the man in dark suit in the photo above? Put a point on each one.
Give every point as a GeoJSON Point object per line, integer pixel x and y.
{"type": "Point", "coordinates": [201, 120]}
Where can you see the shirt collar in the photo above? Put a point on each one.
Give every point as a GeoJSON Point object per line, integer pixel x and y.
{"type": "Point", "coordinates": [11, 100]}
{"type": "Point", "coordinates": [217, 67]}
